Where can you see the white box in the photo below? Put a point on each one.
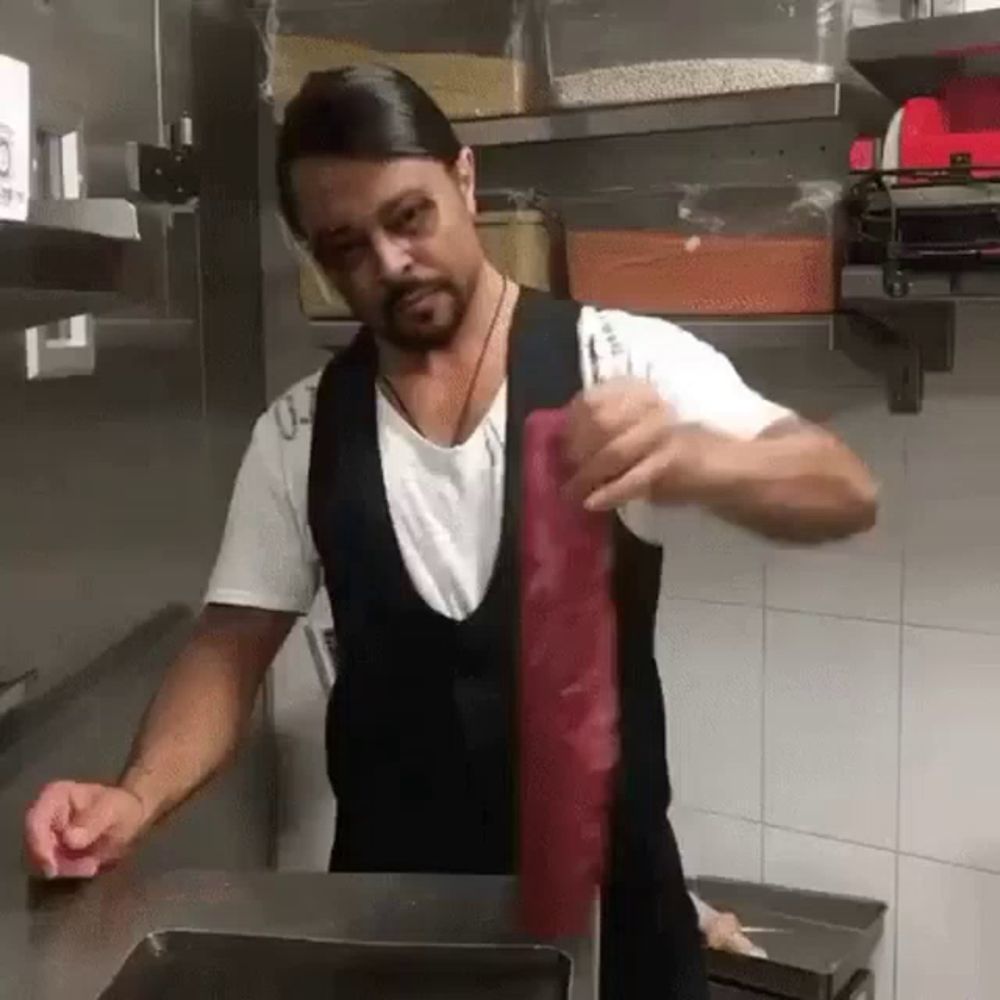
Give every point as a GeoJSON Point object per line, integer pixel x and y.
{"type": "Point", "coordinates": [15, 139]}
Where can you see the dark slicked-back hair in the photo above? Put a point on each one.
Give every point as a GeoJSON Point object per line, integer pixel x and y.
{"type": "Point", "coordinates": [361, 113]}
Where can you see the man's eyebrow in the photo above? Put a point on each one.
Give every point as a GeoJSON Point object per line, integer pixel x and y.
{"type": "Point", "coordinates": [335, 231]}
{"type": "Point", "coordinates": [390, 206]}
{"type": "Point", "coordinates": [338, 232]}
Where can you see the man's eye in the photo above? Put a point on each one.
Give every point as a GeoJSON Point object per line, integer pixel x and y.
{"type": "Point", "coordinates": [411, 220]}
{"type": "Point", "coordinates": [340, 255]}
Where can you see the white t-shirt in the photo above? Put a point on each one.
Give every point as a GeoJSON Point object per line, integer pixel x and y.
{"type": "Point", "coordinates": [446, 503]}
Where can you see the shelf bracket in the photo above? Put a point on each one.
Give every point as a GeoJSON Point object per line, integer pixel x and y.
{"type": "Point", "coordinates": [166, 174]}
{"type": "Point", "coordinates": [900, 345]}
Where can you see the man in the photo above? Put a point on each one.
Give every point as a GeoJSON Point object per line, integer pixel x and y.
{"type": "Point", "coordinates": [404, 498]}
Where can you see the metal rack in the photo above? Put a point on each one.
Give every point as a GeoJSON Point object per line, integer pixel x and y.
{"type": "Point", "coordinates": [902, 338]}
{"type": "Point", "coordinates": [906, 319]}
{"type": "Point", "coordinates": [865, 284]}
{"type": "Point", "coordinates": [732, 333]}
{"type": "Point", "coordinates": [813, 102]}
{"type": "Point", "coordinates": [911, 58]}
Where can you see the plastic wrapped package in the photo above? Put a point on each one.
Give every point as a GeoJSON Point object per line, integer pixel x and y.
{"type": "Point", "coordinates": [718, 251]}
{"type": "Point", "coordinates": [475, 58]}
{"type": "Point", "coordinates": [523, 239]}
{"type": "Point", "coordinates": [603, 52]}
{"type": "Point", "coordinates": [568, 695]}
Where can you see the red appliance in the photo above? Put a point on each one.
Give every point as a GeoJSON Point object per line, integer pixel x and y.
{"type": "Point", "coordinates": [958, 129]}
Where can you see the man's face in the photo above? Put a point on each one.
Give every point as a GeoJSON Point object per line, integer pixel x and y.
{"type": "Point", "coordinates": [397, 239]}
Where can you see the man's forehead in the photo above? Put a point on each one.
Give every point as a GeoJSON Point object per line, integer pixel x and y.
{"type": "Point", "coordinates": [340, 191]}
{"type": "Point", "coordinates": [336, 176]}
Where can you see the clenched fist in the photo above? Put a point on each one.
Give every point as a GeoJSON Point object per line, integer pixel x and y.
{"type": "Point", "coordinates": [74, 830]}
{"type": "Point", "coordinates": [625, 443]}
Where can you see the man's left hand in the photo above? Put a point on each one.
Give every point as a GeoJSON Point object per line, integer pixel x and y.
{"type": "Point", "coordinates": [625, 443]}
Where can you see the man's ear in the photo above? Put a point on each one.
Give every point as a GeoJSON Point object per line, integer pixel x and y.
{"type": "Point", "coordinates": [465, 177]}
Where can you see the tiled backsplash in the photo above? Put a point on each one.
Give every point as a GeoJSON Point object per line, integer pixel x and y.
{"type": "Point", "coordinates": [834, 714]}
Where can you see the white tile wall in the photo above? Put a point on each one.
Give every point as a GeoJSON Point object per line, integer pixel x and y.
{"type": "Point", "coordinates": [951, 747]}
{"type": "Point", "coordinates": [831, 733]}
{"type": "Point", "coordinates": [948, 919]}
{"type": "Point", "coordinates": [805, 862]}
{"type": "Point", "coordinates": [706, 559]}
{"type": "Point", "coordinates": [711, 660]}
{"type": "Point", "coordinates": [953, 540]}
{"type": "Point", "coordinates": [836, 761]}
{"type": "Point", "coordinates": [855, 579]}
{"type": "Point", "coordinates": [953, 499]}
{"type": "Point", "coordinates": [862, 577]}
{"type": "Point", "coordinates": [718, 846]}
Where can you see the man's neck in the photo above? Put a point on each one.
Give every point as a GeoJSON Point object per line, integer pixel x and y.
{"type": "Point", "coordinates": [457, 385]}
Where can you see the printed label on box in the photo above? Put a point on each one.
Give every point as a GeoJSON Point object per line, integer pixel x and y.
{"type": "Point", "coordinates": [15, 139]}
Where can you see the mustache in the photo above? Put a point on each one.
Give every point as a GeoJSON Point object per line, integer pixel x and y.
{"type": "Point", "coordinates": [396, 292]}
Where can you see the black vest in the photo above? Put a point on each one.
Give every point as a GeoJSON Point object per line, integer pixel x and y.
{"type": "Point", "coordinates": [419, 726]}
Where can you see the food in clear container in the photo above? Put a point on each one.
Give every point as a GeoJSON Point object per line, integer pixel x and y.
{"type": "Point", "coordinates": [727, 250]}
{"type": "Point", "coordinates": [475, 59]}
{"type": "Point", "coordinates": [634, 51]}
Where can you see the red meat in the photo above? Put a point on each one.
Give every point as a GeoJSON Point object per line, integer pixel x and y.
{"type": "Point", "coordinates": [568, 739]}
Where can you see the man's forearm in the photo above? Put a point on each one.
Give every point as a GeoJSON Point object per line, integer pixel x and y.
{"type": "Point", "coordinates": [795, 484]}
{"type": "Point", "coordinates": [197, 719]}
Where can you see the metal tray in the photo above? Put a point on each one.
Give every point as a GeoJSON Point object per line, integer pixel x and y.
{"type": "Point", "coordinates": [823, 940]}
{"type": "Point", "coordinates": [184, 965]}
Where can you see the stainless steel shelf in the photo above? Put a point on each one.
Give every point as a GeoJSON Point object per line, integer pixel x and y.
{"type": "Point", "coordinates": [926, 342]}
{"type": "Point", "coordinates": [67, 259]}
{"type": "Point", "coordinates": [814, 102]}
{"type": "Point", "coordinates": [108, 218]}
{"type": "Point", "coordinates": [910, 58]}
{"type": "Point", "coordinates": [728, 334]}
{"type": "Point", "coordinates": [21, 308]}
{"type": "Point", "coordinates": [739, 333]}
{"type": "Point", "coordinates": [865, 284]}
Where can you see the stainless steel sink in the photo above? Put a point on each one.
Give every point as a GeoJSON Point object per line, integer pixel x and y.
{"type": "Point", "coordinates": [188, 965]}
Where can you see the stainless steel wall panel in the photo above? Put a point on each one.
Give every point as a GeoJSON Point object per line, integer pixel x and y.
{"type": "Point", "coordinates": [290, 348]}
{"type": "Point", "coordinates": [226, 61]}
{"type": "Point", "coordinates": [105, 501]}
{"type": "Point", "coordinates": [113, 487]}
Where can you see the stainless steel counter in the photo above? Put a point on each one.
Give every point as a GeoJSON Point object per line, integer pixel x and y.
{"type": "Point", "coordinates": [61, 941]}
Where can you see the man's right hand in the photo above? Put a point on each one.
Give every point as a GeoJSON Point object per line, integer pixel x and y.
{"type": "Point", "coordinates": [74, 830]}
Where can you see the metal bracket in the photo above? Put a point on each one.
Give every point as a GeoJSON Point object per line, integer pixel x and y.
{"type": "Point", "coordinates": [900, 345]}
{"type": "Point", "coordinates": [14, 692]}
{"type": "Point", "coordinates": [64, 347]}
{"type": "Point", "coordinates": [166, 174]}
{"type": "Point", "coordinates": [61, 349]}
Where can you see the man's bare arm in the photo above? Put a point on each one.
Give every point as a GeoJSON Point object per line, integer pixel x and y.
{"type": "Point", "coordinates": [794, 483]}
{"type": "Point", "coordinates": [197, 719]}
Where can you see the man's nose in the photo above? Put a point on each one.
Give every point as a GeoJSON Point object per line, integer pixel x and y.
{"type": "Point", "coordinates": [393, 256]}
